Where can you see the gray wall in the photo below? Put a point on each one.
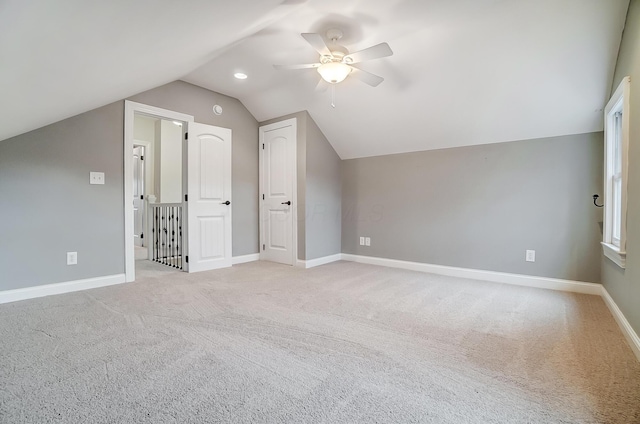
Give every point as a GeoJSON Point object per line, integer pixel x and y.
{"type": "Point", "coordinates": [323, 195]}
{"type": "Point", "coordinates": [319, 186]}
{"type": "Point", "coordinates": [624, 285]}
{"type": "Point", "coordinates": [49, 207]}
{"type": "Point", "coordinates": [183, 97]}
{"type": "Point", "coordinates": [481, 207]}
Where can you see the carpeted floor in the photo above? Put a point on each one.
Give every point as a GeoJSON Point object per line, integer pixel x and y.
{"type": "Point", "coordinates": [340, 343]}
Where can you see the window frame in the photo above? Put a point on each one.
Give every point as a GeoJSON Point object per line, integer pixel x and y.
{"type": "Point", "coordinates": [615, 171]}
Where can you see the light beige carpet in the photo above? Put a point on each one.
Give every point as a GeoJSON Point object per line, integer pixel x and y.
{"type": "Point", "coordinates": [341, 343]}
{"type": "Point", "coordinates": [141, 253]}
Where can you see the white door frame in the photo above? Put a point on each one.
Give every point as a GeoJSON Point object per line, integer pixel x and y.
{"type": "Point", "coordinates": [130, 109]}
{"type": "Point", "coordinates": [294, 210]}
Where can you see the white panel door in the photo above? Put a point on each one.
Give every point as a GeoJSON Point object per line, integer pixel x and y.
{"type": "Point", "coordinates": [209, 197]}
{"type": "Point", "coordinates": [277, 188]}
{"type": "Point", "coordinates": [138, 196]}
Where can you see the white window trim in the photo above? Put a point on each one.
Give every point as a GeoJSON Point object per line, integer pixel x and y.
{"type": "Point", "coordinates": [619, 102]}
{"type": "Point", "coordinates": [613, 253]}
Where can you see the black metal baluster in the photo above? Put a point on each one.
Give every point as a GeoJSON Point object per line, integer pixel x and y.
{"type": "Point", "coordinates": [164, 231]}
{"type": "Point", "coordinates": [178, 209]}
{"type": "Point", "coordinates": [160, 234]}
{"type": "Point", "coordinates": [175, 239]}
{"type": "Point", "coordinates": [155, 234]}
{"type": "Point", "coordinates": [166, 241]}
{"type": "Point", "coordinates": [152, 241]}
{"type": "Point", "coordinates": [172, 237]}
{"type": "Point", "coordinates": [167, 237]}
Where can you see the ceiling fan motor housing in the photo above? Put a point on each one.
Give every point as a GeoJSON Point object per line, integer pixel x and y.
{"type": "Point", "coordinates": [337, 54]}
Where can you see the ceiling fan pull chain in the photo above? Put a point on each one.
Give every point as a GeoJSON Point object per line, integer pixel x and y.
{"type": "Point", "coordinates": [333, 96]}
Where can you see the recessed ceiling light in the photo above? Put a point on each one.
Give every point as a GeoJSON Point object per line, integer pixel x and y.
{"type": "Point", "coordinates": [240, 75]}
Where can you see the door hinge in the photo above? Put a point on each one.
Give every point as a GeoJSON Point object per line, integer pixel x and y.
{"type": "Point", "coordinates": [141, 235]}
{"type": "Point", "coordinates": [263, 197]}
{"type": "Point", "coordinates": [141, 157]}
{"type": "Point", "coordinates": [186, 136]}
{"type": "Point", "coordinates": [186, 197]}
{"type": "Point", "coordinates": [263, 247]}
{"type": "Point", "coordinates": [262, 146]}
{"type": "Point", "coordinates": [141, 197]}
{"type": "Point", "coordinates": [186, 259]}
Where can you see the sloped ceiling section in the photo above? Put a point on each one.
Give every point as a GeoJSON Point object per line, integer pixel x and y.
{"type": "Point", "coordinates": [64, 57]}
{"type": "Point", "coordinates": [464, 71]}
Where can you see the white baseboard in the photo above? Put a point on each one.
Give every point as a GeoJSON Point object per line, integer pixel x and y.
{"type": "Point", "coordinates": [476, 274]}
{"type": "Point", "coordinates": [627, 330]}
{"type": "Point", "coordinates": [245, 258]}
{"type": "Point", "coordinates": [59, 288]}
{"type": "Point", "coordinates": [319, 261]}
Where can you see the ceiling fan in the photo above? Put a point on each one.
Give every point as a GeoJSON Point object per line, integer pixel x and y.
{"type": "Point", "coordinates": [336, 63]}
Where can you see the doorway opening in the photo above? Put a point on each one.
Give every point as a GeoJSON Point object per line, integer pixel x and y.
{"type": "Point", "coordinates": [155, 183]}
{"type": "Point", "coordinates": [158, 225]}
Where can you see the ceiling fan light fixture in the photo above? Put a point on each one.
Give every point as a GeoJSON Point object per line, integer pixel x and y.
{"type": "Point", "coordinates": [334, 72]}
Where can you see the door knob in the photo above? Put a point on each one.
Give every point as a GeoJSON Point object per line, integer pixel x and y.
{"type": "Point", "coordinates": [226, 203]}
{"type": "Point", "coordinates": [288, 202]}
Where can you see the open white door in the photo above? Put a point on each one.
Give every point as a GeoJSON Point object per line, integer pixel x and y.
{"type": "Point", "coordinates": [209, 197]}
{"type": "Point", "coordinates": [278, 192]}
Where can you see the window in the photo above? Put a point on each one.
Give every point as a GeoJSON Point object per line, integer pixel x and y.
{"type": "Point", "coordinates": [616, 134]}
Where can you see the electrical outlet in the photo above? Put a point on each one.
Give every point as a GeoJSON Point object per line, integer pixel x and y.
{"type": "Point", "coordinates": [530, 256]}
{"type": "Point", "coordinates": [361, 241]}
{"type": "Point", "coordinates": [96, 177]}
{"type": "Point", "coordinates": [367, 241]}
{"type": "Point", "coordinates": [72, 258]}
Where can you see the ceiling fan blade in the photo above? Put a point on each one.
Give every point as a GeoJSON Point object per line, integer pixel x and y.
{"type": "Point", "coordinates": [304, 66]}
{"type": "Point", "coordinates": [374, 52]}
{"type": "Point", "coordinates": [317, 43]}
{"type": "Point", "coordinates": [366, 77]}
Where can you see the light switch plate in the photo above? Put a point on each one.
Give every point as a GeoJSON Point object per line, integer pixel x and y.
{"type": "Point", "coordinates": [361, 241]}
{"type": "Point", "coordinates": [96, 177]}
{"type": "Point", "coordinates": [367, 241]}
{"type": "Point", "coordinates": [530, 256]}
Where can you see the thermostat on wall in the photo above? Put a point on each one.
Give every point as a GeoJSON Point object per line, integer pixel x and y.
{"type": "Point", "coordinates": [217, 109]}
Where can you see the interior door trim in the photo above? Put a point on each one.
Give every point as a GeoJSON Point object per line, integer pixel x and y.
{"type": "Point", "coordinates": [294, 210]}
{"type": "Point", "coordinates": [130, 109]}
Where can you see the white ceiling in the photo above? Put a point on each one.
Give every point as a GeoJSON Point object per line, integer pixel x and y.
{"type": "Point", "coordinates": [463, 72]}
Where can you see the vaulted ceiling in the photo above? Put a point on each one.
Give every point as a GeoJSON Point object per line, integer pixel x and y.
{"type": "Point", "coordinates": [463, 72]}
